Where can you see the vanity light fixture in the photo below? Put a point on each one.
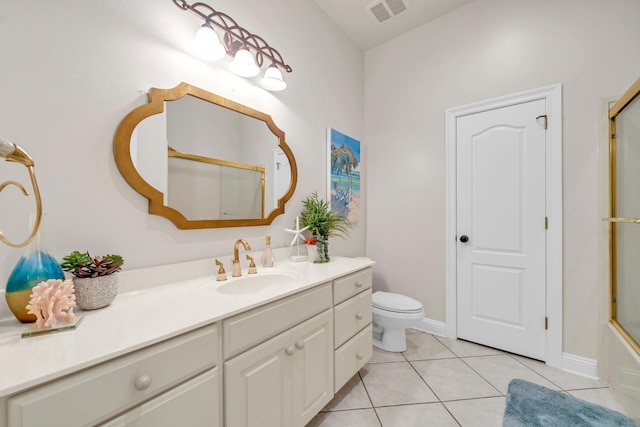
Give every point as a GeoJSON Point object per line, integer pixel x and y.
{"type": "Point", "coordinates": [249, 51]}
{"type": "Point", "coordinates": [207, 45]}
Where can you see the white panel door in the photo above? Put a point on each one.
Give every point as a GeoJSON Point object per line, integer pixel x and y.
{"type": "Point", "coordinates": [501, 228]}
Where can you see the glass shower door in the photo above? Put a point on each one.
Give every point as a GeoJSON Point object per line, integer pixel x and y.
{"type": "Point", "coordinates": [625, 216]}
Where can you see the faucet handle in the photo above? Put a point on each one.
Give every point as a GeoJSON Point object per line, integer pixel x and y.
{"type": "Point", "coordinates": [252, 265]}
{"type": "Point", "coordinates": [222, 275]}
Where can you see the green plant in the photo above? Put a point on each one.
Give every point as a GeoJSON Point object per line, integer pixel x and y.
{"type": "Point", "coordinates": [321, 220]}
{"type": "Point", "coordinates": [84, 265]}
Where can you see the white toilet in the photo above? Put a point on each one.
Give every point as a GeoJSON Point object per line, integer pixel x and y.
{"type": "Point", "coordinates": [392, 314]}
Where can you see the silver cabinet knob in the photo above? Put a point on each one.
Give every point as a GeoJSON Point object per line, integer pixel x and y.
{"type": "Point", "coordinates": [290, 350]}
{"type": "Point", "coordinates": [143, 382]}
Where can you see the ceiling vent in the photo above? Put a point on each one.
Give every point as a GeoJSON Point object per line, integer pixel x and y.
{"type": "Point", "coordinates": [383, 10]}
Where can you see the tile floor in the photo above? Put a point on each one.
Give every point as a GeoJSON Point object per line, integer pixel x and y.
{"type": "Point", "coordinates": [442, 382]}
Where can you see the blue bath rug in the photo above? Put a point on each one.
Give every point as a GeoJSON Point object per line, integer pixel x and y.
{"type": "Point", "coordinates": [532, 405]}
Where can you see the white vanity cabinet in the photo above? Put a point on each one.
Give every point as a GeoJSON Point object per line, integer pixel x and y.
{"type": "Point", "coordinates": [261, 361]}
{"type": "Point", "coordinates": [353, 340]}
{"type": "Point", "coordinates": [287, 379]}
{"type": "Point", "coordinates": [167, 384]}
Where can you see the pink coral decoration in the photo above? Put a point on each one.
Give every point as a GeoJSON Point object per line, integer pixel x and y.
{"type": "Point", "coordinates": [52, 302]}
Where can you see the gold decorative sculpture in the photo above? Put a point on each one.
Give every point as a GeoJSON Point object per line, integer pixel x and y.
{"type": "Point", "coordinates": [12, 153]}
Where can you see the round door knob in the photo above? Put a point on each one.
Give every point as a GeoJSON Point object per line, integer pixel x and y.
{"type": "Point", "coordinates": [359, 356]}
{"type": "Point", "coordinates": [290, 350]}
{"type": "Point", "coordinates": [359, 316]}
{"type": "Point", "coordinates": [143, 382]}
{"type": "Point", "coordinates": [464, 239]}
{"type": "Point", "coordinates": [300, 345]}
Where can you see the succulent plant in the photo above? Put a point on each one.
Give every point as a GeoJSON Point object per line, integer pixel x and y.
{"type": "Point", "coordinates": [84, 265]}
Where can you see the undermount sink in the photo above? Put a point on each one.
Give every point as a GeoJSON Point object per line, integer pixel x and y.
{"type": "Point", "coordinates": [260, 282]}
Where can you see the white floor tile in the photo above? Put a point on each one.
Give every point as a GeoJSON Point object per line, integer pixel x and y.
{"type": "Point", "coordinates": [351, 396]}
{"type": "Point", "coordinates": [562, 379]}
{"type": "Point", "coordinates": [465, 348]}
{"type": "Point", "coordinates": [381, 356]}
{"type": "Point", "coordinates": [420, 415]}
{"type": "Point", "coordinates": [395, 384]}
{"type": "Point", "coordinates": [355, 418]}
{"type": "Point", "coordinates": [452, 379]}
{"type": "Point", "coordinates": [425, 347]}
{"type": "Point", "coordinates": [467, 379]}
{"type": "Point", "coordinates": [500, 370]}
{"type": "Point", "coordinates": [486, 412]}
{"type": "Point", "coordinates": [599, 396]}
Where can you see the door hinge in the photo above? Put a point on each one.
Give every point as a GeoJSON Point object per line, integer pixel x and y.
{"type": "Point", "coordinates": [546, 323]}
{"type": "Point", "coordinates": [546, 222]}
{"type": "Point", "coordinates": [543, 116]}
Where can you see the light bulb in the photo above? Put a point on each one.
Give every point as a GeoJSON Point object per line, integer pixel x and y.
{"type": "Point", "coordinates": [272, 80]}
{"type": "Point", "coordinates": [207, 45]}
{"type": "Point", "coordinates": [243, 64]}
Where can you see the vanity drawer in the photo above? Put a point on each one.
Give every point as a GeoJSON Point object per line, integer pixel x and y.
{"type": "Point", "coordinates": [255, 326]}
{"type": "Point", "coordinates": [352, 356]}
{"type": "Point", "coordinates": [350, 285]}
{"type": "Point", "coordinates": [351, 316]}
{"type": "Point", "coordinates": [100, 392]}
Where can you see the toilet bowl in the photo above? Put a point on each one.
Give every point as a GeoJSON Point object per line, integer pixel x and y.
{"type": "Point", "coordinates": [392, 314]}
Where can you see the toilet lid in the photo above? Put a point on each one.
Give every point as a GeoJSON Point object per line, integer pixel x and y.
{"type": "Point", "coordinates": [395, 302]}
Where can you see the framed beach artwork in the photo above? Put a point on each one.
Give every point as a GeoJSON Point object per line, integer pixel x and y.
{"type": "Point", "coordinates": [344, 175]}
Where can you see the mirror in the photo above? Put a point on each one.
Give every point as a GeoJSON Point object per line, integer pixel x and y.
{"type": "Point", "coordinates": [204, 161]}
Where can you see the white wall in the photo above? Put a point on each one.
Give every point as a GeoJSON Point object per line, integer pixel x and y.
{"type": "Point", "coordinates": [487, 49]}
{"type": "Point", "coordinates": [72, 70]}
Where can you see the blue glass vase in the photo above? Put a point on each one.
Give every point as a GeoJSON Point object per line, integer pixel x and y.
{"type": "Point", "coordinates": [35, 266]}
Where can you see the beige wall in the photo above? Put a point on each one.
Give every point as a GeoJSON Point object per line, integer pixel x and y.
{"type": "Point", "coordinates": [72, 70]}
{"type": "Point", "coordinates": [486, 49]}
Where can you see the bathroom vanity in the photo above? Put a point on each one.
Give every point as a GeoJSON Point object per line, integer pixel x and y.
{"type": "Point", "coordinates": [269, 349]}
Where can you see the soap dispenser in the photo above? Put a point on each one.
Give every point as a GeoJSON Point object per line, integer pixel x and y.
{"type": "Point", "coordinates": [267, 254]}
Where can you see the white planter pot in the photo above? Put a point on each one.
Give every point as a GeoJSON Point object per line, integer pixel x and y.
{"type": "Point", "coordinates": [95, 292]}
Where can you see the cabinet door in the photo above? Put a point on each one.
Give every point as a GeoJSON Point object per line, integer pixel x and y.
{"type": "Point", "coordinates": [194, 403]}
{"type": "Point", "coordinates": [258, 385]}
{"type": "Point", "coordinates": [312, 367]}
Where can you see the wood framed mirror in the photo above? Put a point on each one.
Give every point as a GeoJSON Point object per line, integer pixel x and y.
{"type": "Point", "coordinates": [204, 161]}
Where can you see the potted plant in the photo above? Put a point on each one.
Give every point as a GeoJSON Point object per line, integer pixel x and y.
{"type": "Point", "coordinates": [94, 281]}
{"type": "Point", "coordinates": [323, 223]}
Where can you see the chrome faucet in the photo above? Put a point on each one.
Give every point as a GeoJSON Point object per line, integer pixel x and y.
{"type": "Point", "coordinates": [237, 271]}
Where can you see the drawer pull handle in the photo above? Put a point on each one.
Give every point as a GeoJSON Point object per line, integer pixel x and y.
{"type": "Point", "coordinates": [359, 316]}
{"type": "Point", "coordinates": [359, 356]}
{"type": "Point", "coordinates": [290, 350]}
{"type": "Point", "coordinates": [300, 345]}
{"type": "Point", "coordinates": [143, 382]}
{"type": "Point", "coordinates": [359, 285]}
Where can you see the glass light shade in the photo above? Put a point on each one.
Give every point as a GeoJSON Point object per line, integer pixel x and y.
{"type": "Point", "coordinates": [207, 45]}
{"type": "Point", "coordinates": [272, 80]}
{"type": "Point", "coordinates": [243, 64]}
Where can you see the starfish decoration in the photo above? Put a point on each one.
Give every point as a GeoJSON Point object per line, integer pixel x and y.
{"type": "Point", "coordinates": [297, 232]}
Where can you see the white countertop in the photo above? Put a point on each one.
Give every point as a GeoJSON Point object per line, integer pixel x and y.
{"type": "Point", "coordinates": [142, 315]}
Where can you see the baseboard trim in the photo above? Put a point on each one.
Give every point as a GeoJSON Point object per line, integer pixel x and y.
{"type": "Point", "coordinates": [432, 327]}
{"type": "Point", "coordinates": [580, 365]}
{"type": "Point", "coordinates": [570, 362]}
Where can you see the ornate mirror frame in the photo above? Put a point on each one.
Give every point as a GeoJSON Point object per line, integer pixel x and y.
{"type": "Point", "coordinates": [124, 162]}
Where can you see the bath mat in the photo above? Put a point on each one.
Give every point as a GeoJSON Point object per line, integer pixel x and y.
{"type": "Point", "coordinates": [532, 405]}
